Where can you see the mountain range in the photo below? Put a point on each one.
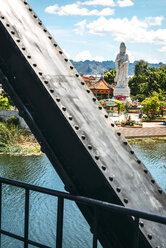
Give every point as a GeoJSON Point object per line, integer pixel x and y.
{"type": "Point", "coordinates": [88, 67]}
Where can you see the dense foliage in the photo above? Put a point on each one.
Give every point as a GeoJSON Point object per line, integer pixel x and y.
{"type": "Point", "coordinates": [153, 105]}
{"type": "Point", "coordinates": [109, 76]}
{"type": "Point", "coordinates": [4, 103]}
{"type": "Point", "coordinates": [147, 79]}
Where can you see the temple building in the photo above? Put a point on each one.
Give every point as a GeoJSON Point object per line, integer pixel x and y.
{"type": "Point", "coordinates": [101, 89]}
{"type": "Point", "coordinates": [88, 80]}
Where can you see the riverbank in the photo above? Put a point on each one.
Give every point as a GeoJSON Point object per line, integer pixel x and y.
{"type": "Point", "coordinates": [152, 140]}
{"type": "Point", "coordinates": [15, 140]}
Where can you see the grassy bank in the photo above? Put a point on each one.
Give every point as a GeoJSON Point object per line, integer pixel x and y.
{"type": "Point", "coordinates": [147, 140]}
{"type": "Point", "coordinates": [17, 141]}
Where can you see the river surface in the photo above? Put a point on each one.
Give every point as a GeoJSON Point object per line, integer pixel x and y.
{"type": "Point", "coordinates": [37, 170]}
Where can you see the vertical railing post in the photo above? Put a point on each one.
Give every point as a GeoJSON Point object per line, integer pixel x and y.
{"type": "Point", "coordinates": [136, 233]}
{"type": "Point", "coordinates": [26, 223]}
{"type": "Point", "coordinates": [0, 210]}
{"type": "Point", "coordinates": [59, 231]}
{"type": "Point", "coordinates": [95, 225]}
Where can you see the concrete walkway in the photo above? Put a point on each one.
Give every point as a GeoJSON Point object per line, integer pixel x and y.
{"type": "Point", "coordinates": [149, 129]}
{"type": "Point", "coordinates": [153, 131]}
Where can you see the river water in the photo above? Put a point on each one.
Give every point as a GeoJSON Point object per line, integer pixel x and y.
{"type": "Point", "coordinates": [38, 170]}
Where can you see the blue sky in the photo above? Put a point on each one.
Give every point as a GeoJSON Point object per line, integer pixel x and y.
{"type": "Point", "coordinates": [94, 29]}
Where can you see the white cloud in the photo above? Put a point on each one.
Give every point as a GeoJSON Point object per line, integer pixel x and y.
{"type": "Point", "coordinates": [124, 29]}
{"type": "Point", "coordinates": [100, 2]}
{"type": "Point", "coordinates": [154, 21]}
{"type": "Point", "coordinates": [162, 49]}
{"type": "Point", "coordinates": [86, 55]}
{"type": "Point", "coordinates": [75, 9]}
{"type": "Point", "coordinates": [52, 9]}
{"type": "Point", "coordinates": [125, 3]}
{"type": "Point", "coordinates": [80, 27]}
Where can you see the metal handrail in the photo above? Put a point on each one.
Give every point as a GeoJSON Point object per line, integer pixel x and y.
{"type": "Point", "coordinates": [96, 204]}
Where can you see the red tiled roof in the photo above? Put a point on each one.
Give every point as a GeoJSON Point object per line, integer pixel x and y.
{"type": "Point", "coordinates": [100, 85]}
{"type": "Point", "coordinates": [86, 79]}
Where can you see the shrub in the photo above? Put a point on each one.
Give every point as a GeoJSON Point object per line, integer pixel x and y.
{"type": "Point", "coordinates": [12, 121]}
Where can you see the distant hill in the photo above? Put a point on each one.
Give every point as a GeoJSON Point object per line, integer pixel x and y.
{"type": "Point", "coordinates": [88, 67]}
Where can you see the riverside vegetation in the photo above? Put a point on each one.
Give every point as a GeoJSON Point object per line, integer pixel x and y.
{"type": "Point", "coordinates": [15, 140]}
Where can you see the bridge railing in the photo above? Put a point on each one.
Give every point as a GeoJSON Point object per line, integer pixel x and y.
{"type": "Point", "coordinates": [95, 204]}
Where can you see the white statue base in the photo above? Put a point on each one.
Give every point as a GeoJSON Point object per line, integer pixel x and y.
{"type": "Point", "coordinates": [122, 91]}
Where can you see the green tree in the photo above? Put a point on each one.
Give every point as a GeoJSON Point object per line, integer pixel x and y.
{"type": "Point", "coordinates": [140, 67]}
{"type": "Point", "coordinates": [109, 76]}
{"type": "Point", "coordinates": [139, 86]}
{"type": "Point", "coordinates": [120, 106]}
{"type": "Point", "coordinates": [152, 105]}
{"type": "Point", "coordinates": [4, 103]}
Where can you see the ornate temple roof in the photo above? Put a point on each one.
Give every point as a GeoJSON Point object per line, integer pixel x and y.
{"type": "Point", "coordinates": [101, 85]}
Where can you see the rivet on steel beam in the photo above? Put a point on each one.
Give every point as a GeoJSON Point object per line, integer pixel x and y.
{"type": "Point", "coordinates": [94, 99]}
{"type": "Point", "coordinates": [160, 190]}
{"type": "Point", "coordinates": [88, 91]}
{"type": "Point", "coordinates": [60, 52]}
{"type": "Point", "coordinates": [35, 16]}
{"type": "Point", "coordinates": [153, 181]}
{"type": "Point", "coordinates": [71, 67]}
{"type": "Point", "coordinates": [77, 75]}
{"type": "Point", "coordinates": [106, 116]}
{"type": "Point", "coordinates": [40, 73]}
{"type": "Point", "coordinates": [150, 236]}
{"type": "Point", "coordinates": [46, 82]}
{"type": "Point", "coordinates": [97, 157]}
{"type": "Point", "coordinates": [125, 200]}
{"type": "Point", "coordinates": [7, 25]}
{"type": "Point", "coordinates": [58, 99]}
{"type": "Point", "coordinates": [125, 143]}
{"type": "Point", "coordinates": [118, 189]}
{"type": "Point", "coordinates": [141, 224]}
{"type": "Point", "coordinates": [89, 147]}
{"type": "Point", "coordinates": [139, 161]}
{"type": "Point", "coordinates": [118, 133]}
{"type": "Point", "coordinates": [52, 91]}
{"type": "Point", "coordinates": [66, 60]}
{"type": "Point", "coordinates": [146, 171]}
{"type": "Point", "coordinates": [112, 124]}
{"type": "Point", "coordinates": [132, 152]}
{"type": "Point", "coordinates": [111, 178]}
{"type": "Point", "coordinates": [29, 57]}
{"type": "Point", "coordinates": [100, 107]}
{"type": "Point", "coordinates": [64, 108]}
{"type": "Point", "coordinates": [34, 65]}
{"type": "Point", "coordinates": [83, 137]}
{"type": "Point", "coordinates": [103, 168]}
{"type": "Point", "coordinates": [30, 9]}
{"type": "Point", "coordinates": [70, 118]}
{"type": "Point", "coordinates": [12, 32]}
{"type": "Point", "coordinates": [82, 83]}
{"type": "Point", "coordinates": [77, 127]}
{"type": "Point", "coordinates": [50, 37]}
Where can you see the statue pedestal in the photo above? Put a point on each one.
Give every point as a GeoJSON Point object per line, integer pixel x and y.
{"type": "Point", "coordinates": [122, 91]}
